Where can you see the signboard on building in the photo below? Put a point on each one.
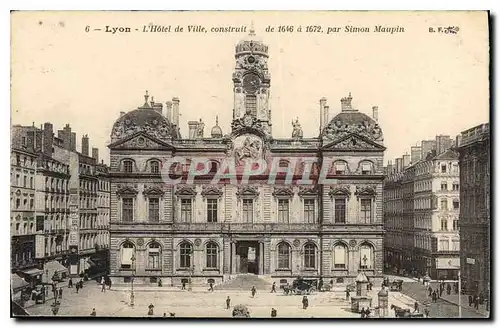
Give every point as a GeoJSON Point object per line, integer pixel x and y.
{"type": "Point", "coordinates": [470, 261]}
{"type": "Point", "coordinates": [39, 246]}
{"type": "Point", "coordinates": [448, 263]}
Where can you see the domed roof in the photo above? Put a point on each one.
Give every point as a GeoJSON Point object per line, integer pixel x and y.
{"type": "Point", "coordinates": [350, 120]}
{"type": "Point", "coordinates": [216, 130]}
{"type": "Point", "coordinates": [251, 44]}
{"type": "Point", "coordinates": [146, 119]}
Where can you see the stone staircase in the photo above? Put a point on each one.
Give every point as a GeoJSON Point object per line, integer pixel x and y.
{"type": "Point", "coordinates": [244, 282]}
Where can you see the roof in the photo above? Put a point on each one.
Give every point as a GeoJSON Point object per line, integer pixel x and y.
{"type": "Point", "coordinates": [352, 117]}
{"type": "Point", "coordinates": [361, 277]}
{"type": "Point", "coordinates": [449, 154]}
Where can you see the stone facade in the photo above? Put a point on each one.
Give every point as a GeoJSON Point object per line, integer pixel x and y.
{"type": "Point", "coordinates": [206, 231]}
{"type": "Point", "coordinates": [421, 216]}
{"type": "Point", "coordinates": [475, 215]}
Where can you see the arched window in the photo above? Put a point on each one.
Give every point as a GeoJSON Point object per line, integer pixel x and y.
{"type": "Point", "coordinates": [310, 256]}
{"type": "Point", "coordinates": [155, 166]}
{"type": "Point", "coordinates": [366, 168]}
{"type": "Point", "coordinates": [127, 255]}
{"type": "Point", "coordinates": [283, 256]}
{"type": "Point", "coordinates": [339, 256]}
{"type": "Point", "coordinates": [128, 166]}
{"type": "Point", "coordinates": [154, 251]}
{"type": "Point", "coordinates": [366, 257]}
{"type": "Point", "coordinates": [212, 251]}
{"type": "Point", "coordinates": [185, 255]}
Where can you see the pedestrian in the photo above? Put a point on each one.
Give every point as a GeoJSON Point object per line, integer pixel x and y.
{"type": "Point", "coordinates": [211, 288]}
{"type": "Point", "coordinates": [320, 284]}
{"type": "Point", "coordinates": [228, 302]}
{"type": "Point", "coordinates": [160, 283]}
{"type": "Point", "coordinates": [183, 285]}
{"type": "Point", "coordinates": [273, 288]}
{"type": "Point", "coordinates": [253, 291]}
{"type": "Point", "coordinates": [77, 287]}
{"type": "Point", "coordinates": [81, 283]}
{"type": "Point", "coordinates": [102, 281]}
{"type": "Point", "coordinates": [274, 313]}
{"type": "Point", "coordinates": [370, 285]}
{"type": "Point", "coordinates": [305, 302]}
{"type": "Point", "coordinates": [434, 296]}
{"type": "Point", "coordinates": [93, 313]}
{"type": "Point", "coordinates": [150, 309]}
{"type": "Point", "coordinates": [103, 287]}
{"type": "Point", "coordinates": [109, 283]}
{"type": "Point", "coordinates": [430, 291]}
{"type": "Point", "coordinates": [448, 289]}
{"type": "Point", "coordinates": [426, 311]}
{"type": "Point", "coordinates": [362, 312]}
{"type": "Point", "coordinates": [470, 300]}
{"type": "Point", "coordinates": [476, 302]}
{"type": "Point", "coordinates": [347, 294]}
{"type": "Point", "coordinates": [60, 292]}
{"type": "Point", "coordinates": [481, 298]}
{"type": "Point", "coordinates": [367, 312]}
{"type": "Point", "coordinates": [70, 283]}
{"type": "Point", "coordinates": [415, 307]}
{"type": "Point", "coordinates": [164, 314]}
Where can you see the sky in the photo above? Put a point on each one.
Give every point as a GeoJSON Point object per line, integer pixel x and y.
{"type": "Point", "coordinates": [423, 83]}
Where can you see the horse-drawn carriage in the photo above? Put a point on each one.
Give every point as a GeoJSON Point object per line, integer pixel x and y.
{"type": "Point", "coordinates": [405, 313]}
{"type": "Point", "coordinates": [301, 286]}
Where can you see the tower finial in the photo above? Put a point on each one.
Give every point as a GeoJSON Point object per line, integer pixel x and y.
{"type": "Point", "coordinates": [146, 97]}
{"type": "Point", "coordinates": [252, 29]}
{"type": "Point", "coordinates": [217, 120]}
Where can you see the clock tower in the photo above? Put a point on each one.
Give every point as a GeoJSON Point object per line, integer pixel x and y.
{"type": "Point", "coordinates": [251, 84]}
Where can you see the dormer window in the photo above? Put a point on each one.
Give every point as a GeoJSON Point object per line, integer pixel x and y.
{"type": "Point", "coordinates": [366, 168]}
{"type": "Point", "coordinates": [127, 166]}
{"type": "Point", "coordinates": [155, 166]}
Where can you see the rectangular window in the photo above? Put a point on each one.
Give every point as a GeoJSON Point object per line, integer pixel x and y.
{"type": "Point", "coordinates": [456, 204]}
{"type": "Point", "coordinates": [247, 210]}
{"type": "Point", "coordinates": [251, 105]}
{"type": "Point", "coordinates": [366, 168]}
{"type": "Point", "coordinates": [154, 210]}
{"type": "Point", "coordinates": [455, 225]}
{"type": "Point", "coordinates": [443, 168]}
{"type": "Point", "coordinates": [153, 258]}
{"type": "Point", "coordinates": [340, 206]}
{"type": "Point", "coordinates": [283, 210]}
{"type": "Point", "coordinates": [444, 204]}
{"type": "Point", "coordinates": [186, 210]}
{"type": "Point", "coordinates": [366, 210]}
{"type": "Point", "coordinates": [127, 209]}
{"type": "Point", "coordinates": [455, 245]}
{"type": "Point", "coordinates": [456, 187]}
{"type": "Point", "coordinates": [211, 210]}
{"type": "Point", "coordinates": [444, 245]}
{"type": "Point", "coordinates": [444, 225]}
{"type": "Point", "coordinates": [444, 186]}
{"type": "Point", "coordinates": [309, 209]}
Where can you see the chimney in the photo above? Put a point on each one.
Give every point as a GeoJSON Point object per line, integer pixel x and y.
{"type": "Point", "coordinates": [406, 160]}
{"type": "Point", "coordinates": [85, 145]}
{"type": "Point", "coordinates": [122, 113]}
{"type": "Point", "coordinates": [322, 123]}
{"type": "Point", "coordinates": [375, 113]}
{"type": "Point", "coordinates": [416, 154]}
{"type": "Point", "coordinates": [72, 144]}
{"type": "Point", "coordinates": [326, 114]}
{"type": "Point", "coordinates": [48, 138]}
{"type": "Point", "coordinates": [175, 111]}
{"type": "Point", "coordinates": [95, 154]}
{"type": "Point", "coordinates": [193, 127]}
{"type": "Point", "coordinates": [346, 103]}
{"type": "Point", "coordinates": [168, 112]}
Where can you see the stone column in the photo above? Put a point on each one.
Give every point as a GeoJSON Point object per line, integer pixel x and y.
{"type": "Point", "coordinates": [233, 258]}
{"type": "Point", "coordinates": [261, 258]}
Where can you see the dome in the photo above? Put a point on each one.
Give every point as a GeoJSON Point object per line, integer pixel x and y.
{"type": "Point", "coordinates": [251, 44]}
{"type": "Point", "coordinates": [148, 119]}
{"type": "Point", "coordinates": [350, 120]}
{"type": "Point", "coordinates": [216, 130]}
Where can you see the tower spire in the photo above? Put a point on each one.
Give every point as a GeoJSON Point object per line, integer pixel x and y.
{"type": "Point", "coordinates": [252, 29]}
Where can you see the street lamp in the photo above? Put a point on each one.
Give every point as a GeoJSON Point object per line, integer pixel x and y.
{"type": "Point", "coordinates": [47, 278]}
{"type": "Point", "coordinates": [132, 281]}
{"type": "Point", "coordinates": [459, 290]}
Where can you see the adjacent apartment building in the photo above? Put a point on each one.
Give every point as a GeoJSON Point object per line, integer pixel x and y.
{"type": "Point", "coordinates": [475, 215]}
{"type": "Point", "coordinates": [422, 204]}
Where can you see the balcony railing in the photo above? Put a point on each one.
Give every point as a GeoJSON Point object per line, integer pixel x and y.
{"type": "Point", "coordinates": [221, 227]}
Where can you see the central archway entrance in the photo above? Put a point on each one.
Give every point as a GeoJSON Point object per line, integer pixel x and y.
{"type": "Point", "coordinates": [248, 254]}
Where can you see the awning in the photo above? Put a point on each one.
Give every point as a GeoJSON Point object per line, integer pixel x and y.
{"type": "Point", "coordinates": [51, 268]}
{"type": "Point", "coordinates": [17, 283]}
{"type": "Point", "coordinates": [32, 272]}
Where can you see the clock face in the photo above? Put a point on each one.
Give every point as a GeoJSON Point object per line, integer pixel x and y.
{"type": "Point", "coordinates": [251, 82]}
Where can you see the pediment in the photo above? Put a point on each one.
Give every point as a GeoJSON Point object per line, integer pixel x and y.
{"type": "Point", "coordinates": [283, 192]}
{"type": "Point", "coordinates": [339, 191]}
{"type": "Point", "coordinates": [126, 190]}
{"type": "Point", "coordinates": [211, 191]}
{"type": "Point", "coordinates": [248, 191]}
{"type": "Point", "coordinates": [355, 142]}
{"type": "Point", "coordinates": [186, 191]}
{"type": "Point", "coordinates": [141, 140]}
{"type": "Point", "coordinates": [153, 191]}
